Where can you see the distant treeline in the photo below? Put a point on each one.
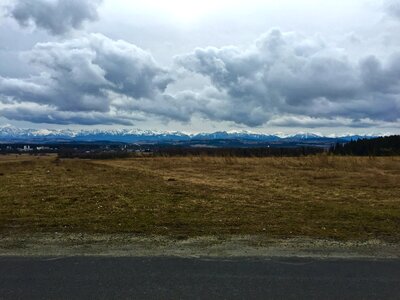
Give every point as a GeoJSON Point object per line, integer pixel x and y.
{"type": "Point", "coordinates": [238, 152]}
{"type": "Point", "coordinates": [382, 146]}
{"type": "Point", "coordinates": [183, 151]}
{"type": "Point", "coordinates": [94, 155]}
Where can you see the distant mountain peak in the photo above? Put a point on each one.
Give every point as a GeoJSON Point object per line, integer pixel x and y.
{"type": "Point", "coordinates": [9, 133]}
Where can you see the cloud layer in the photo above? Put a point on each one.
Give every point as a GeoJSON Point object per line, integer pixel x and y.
{"type": "Point", "coordinates": [55, 16]}
{"type": "Point", "coordinates": [82, 80]}
{"type": "Point", "coordinates": [287, 74]}
{"type": "Point", "coordinates": [283, 79]}
{"type": "Point", "coordinates": [392, 7]}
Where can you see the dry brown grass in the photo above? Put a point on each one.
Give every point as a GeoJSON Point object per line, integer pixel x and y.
{"type": "Point", "coordinates": [319, 196]}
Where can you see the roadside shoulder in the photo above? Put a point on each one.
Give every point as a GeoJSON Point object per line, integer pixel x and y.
{"type": "Point", "coordinates": [59, 244]}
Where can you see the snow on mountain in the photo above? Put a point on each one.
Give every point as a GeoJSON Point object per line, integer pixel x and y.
{"type": "Point", "coordinates": [10, 133]}
{"type": "Point", "coordinates": [231, 135]}
{"type": "Point", "coordinates": [304, 136]}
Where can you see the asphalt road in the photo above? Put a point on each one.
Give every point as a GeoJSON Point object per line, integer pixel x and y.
{"type": "Point", "coordinates": [178, 278]}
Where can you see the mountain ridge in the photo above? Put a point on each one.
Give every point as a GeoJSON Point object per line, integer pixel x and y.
{"type": "Point", "coordinates": [14, 134]}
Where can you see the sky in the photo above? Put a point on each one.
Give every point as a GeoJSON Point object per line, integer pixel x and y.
{"type": "Point", "coordinates": [288, 66]}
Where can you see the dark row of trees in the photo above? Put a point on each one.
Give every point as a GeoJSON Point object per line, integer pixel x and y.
{"type": "Point", "coordinates": [184, 151]}
{"type": "Point", "coordinates": [237, 152]}
{"type": "Point", "coordinates": [93, 154]}
{"type": "Point", "coordinates": [382, 146]}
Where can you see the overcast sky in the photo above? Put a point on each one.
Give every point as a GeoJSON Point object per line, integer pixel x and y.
{"type": "Point", "coordinates": [265, 66]}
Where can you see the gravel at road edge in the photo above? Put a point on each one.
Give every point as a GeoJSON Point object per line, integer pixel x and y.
{"type": "Point", "coordinates": [63, 244]}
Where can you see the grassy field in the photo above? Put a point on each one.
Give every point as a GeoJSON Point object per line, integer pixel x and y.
{"type": "Point", "coordinates": [345, 198]}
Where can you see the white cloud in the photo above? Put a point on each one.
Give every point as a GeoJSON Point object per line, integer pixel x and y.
{"type": "Point", "coordinates": [81, 75]}
{"type": "Point", "coordinates": [287, 73]}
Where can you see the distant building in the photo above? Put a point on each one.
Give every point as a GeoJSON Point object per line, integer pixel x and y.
{"type": "Point", "coordinates": [43, 148]}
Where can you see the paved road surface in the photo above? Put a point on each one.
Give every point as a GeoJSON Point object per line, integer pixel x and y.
{"type": "Point", "coordinates": [178, 278]}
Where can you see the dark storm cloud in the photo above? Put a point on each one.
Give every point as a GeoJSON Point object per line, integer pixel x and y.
{"type": "Point", "coordinates": [286, 73]}
{"type": "Point", "coordinates": [379, 77]}
{"type": "Point", "coordinates": [85, 75]}
{"type": "Point", "coordinates": [310, 122]}
{"type": "Point", "coordinates": [45, 114]}
{"type": "Point", "coordinates": [55, 16]}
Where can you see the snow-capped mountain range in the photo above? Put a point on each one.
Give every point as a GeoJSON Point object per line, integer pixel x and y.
{"type": "Point", "coordinates": [13, 134]}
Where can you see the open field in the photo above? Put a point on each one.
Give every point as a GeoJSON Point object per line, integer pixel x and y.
{"type": "Point", "coordinates": [322, 197]}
